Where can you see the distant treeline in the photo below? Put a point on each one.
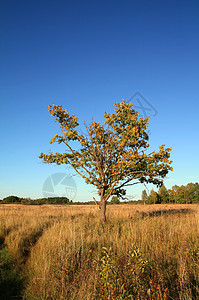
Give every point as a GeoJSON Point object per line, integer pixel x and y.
{"type": "Point", "coordinates": [177, 194]}
{"type": "Point", "coordinates": [50, 200]}
{"type": "Point", "coordinates": [28, 201]}
{"type": "Point", "coordinates": [184, 194]}
{"type": "Point", "coordinates": [41, 201]}
{"type": "Point", "coordinates": [59, 200]}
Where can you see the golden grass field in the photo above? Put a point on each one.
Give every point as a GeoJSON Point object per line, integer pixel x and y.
{"type": "Point", "coordinates": [64, 252]}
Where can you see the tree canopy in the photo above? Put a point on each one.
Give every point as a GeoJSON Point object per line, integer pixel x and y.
{"type": "Point", "coordinates": [11, 199]}
{"type": "Point", "coordinates": [111, 156]}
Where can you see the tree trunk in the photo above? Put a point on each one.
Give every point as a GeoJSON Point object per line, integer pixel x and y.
{"type": "Point", "coordinates": [103, 210]}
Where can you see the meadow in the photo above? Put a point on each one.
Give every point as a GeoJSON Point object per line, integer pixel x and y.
{"type": "Point", "coordinates": [64, 252]}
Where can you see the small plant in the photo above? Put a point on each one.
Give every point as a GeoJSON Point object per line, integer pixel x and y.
{"type": "Point", "coordinates": [139, 272]}
{"type": "Point", "coordinates": [128, 277]}
{"type": "Point", "coordinates": [109, 282]}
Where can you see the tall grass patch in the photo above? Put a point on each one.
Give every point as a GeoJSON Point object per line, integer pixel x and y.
{"type": "Point", "coordinates": [142, 252]}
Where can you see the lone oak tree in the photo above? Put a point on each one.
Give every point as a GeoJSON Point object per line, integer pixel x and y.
{"type": "Point", "coordinates": [111, 156]}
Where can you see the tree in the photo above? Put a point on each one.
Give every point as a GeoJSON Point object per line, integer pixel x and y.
{"type": "Point", "coordinates": [115, 200]}
{"type": "Point", "coordinates": [11, 199]}
{"type": "Point", "coordinates": [180, 198]}
{"type": "Point", "coordinates": [110, 156]}
{"type": "Point", "coordinates": [173, 194]}
{"type": "Point", "coordinates": [144, 196]}
{"type": "Point", "coordinates": [153, 197]}
{"type": "Point", "coordinates": [196, 193]}
{"type": "Point", "coordinates": [189, 192]}
{"type": "Point", "coordinates": [163, 194]}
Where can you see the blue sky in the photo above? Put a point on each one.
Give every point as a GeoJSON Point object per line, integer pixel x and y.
{"type": "Point", "coordinates": [87, 55]}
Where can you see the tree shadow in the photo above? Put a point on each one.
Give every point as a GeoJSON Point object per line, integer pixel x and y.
{"type": "Point", "coordinates": [167, 212]}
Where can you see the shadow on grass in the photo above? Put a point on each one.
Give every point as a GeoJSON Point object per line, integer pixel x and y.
{"type": "Point", "coordinates": [27, 242]}
{"type": "Point", "coordinates": [30, 239]}
{"type": "Point", "coordinates": [11, 283]}
{"type": "Point", "coordinates": [167, 212]}
{"type": "Point", "coordinates": [2, 239]}
{"type": "Point", "coordinates": [3, 235]}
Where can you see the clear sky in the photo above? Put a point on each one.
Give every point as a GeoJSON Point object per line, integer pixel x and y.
{"type": "Point", "coordinates": [86, 55]}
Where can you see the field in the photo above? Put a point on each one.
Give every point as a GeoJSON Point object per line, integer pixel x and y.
{"type": "Point", "coordinates": [64, 252]}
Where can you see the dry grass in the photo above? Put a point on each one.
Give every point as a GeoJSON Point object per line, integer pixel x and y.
{"type": "Point", "coordinates": [152, 251]}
